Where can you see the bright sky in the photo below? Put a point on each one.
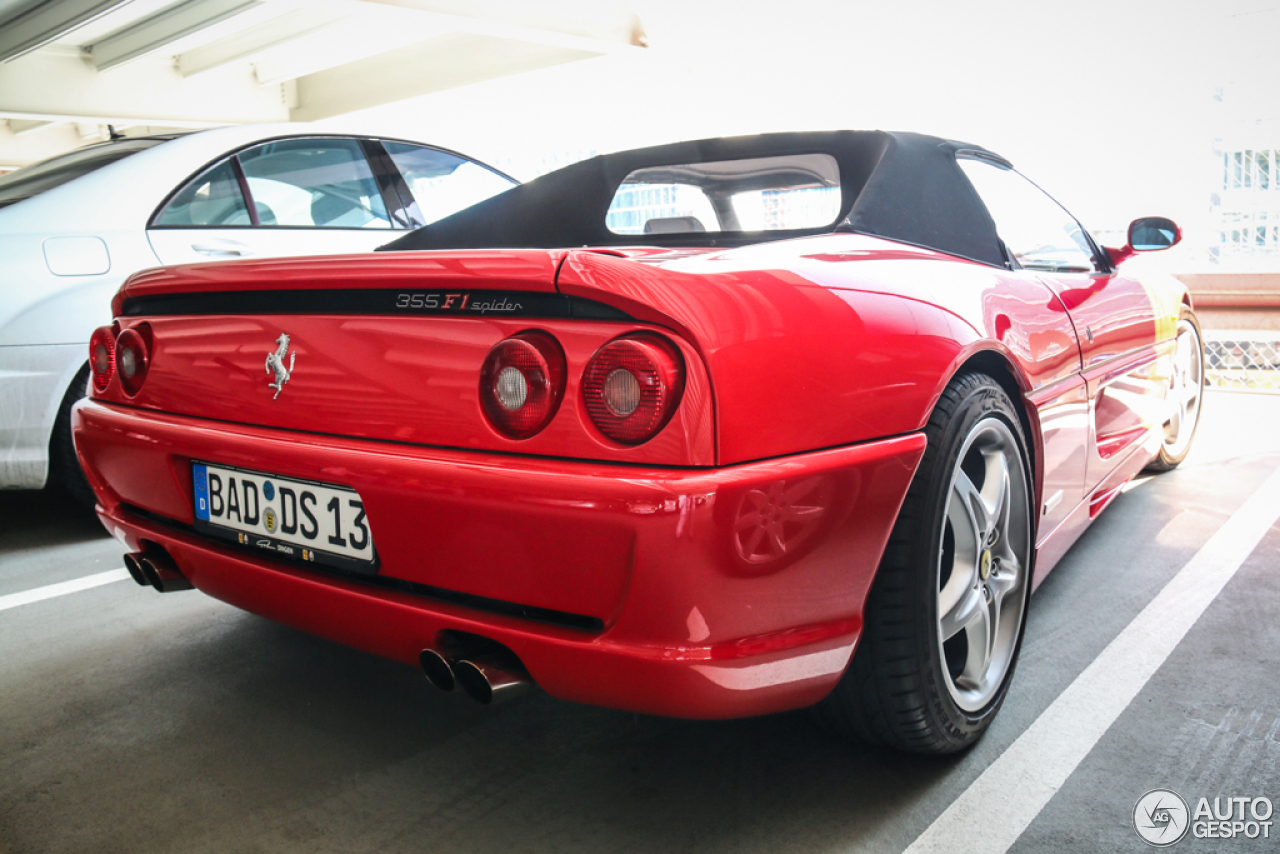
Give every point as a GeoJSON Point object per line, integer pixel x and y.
{"type": "Point", "coordinates": [1110, 106]}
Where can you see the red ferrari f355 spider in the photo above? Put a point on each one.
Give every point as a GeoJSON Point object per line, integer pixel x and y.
{"type": "Point", "coordinates": [710, 429]}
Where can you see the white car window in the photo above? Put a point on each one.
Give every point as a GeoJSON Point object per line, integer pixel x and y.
{"type": "Point", "coordinates": [212, 200]}
{"type": "Point", "coordinates": [443, 183]}
{"type": "Point", "coordinates": [279, 202]}
{"type": "Point", "coordinates": [332, 174]}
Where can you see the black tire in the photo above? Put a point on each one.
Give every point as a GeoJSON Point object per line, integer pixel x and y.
{"type": "Point", "coordinates": [907, 687]}
{"type": "Point", "coordinates": [64, 465]}
{"type": "Point", "coordinates": [1180, 429]}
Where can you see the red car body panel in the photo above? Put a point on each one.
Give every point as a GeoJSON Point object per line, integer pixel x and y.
{"type": "Point", "coordinates": [811, 367]}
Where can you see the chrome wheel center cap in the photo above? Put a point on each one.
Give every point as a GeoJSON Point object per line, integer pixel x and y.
{"type": "Point", "coordinates": [984, 568]}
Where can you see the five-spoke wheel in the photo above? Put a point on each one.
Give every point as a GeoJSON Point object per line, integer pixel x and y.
{"type": "Point", "coordinates": [982, 565]}
{"type": "Point", "coordinates": [944, 621]}
{"type": "Point", "coordinates": [1186, 389]}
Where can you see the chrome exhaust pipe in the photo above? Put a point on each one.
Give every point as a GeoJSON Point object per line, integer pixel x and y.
{"type": "Point", "coordinates": [133, 563]}
{"type": "Point", "coordinates": [162, 573]}
{"type": "Point", "coordinates": [437, 669]}
{"type": "Point", "coordinates": [491, 679]}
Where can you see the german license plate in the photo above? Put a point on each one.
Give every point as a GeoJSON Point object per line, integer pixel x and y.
{"type": "Point", "coordinates": [316, 522]}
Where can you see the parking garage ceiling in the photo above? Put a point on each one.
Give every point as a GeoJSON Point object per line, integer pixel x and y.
{"type": "Point", "coordinates": [71, 68]}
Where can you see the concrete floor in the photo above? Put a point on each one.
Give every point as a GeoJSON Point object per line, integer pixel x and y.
{"type": "Point", "coordinates": [136, 722]}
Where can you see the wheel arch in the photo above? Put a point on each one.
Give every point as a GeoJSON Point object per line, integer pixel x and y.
{"type": "Point", "coordinates": [1000, 367]}
{"type": "Point", "coordinates": [64, 465]}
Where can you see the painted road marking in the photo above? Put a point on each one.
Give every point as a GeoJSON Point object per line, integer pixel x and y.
{"type": "Point", "coordinates": [51, 591]}
{"type": "Point", "coordinates": [1035, 766]}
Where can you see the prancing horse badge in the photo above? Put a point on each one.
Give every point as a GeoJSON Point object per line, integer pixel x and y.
{"type": "Point", "coordinates": [275, 364]}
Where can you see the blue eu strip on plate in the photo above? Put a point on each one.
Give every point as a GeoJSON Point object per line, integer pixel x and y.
{"type": "Point", "coordinates": [201, 475]}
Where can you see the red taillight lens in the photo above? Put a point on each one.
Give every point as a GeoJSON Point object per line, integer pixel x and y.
{"type": "Point", "coordinates": [131, 360]}
{"type": "Point", "coordinates": [632, 386]}
{"type": "Point", "coordinates": [102, 357]}
{"type": "Point", "coordinates": [522, 383]}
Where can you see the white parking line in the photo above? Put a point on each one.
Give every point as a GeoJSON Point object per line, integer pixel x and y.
{"type": "Point", "coordinates": [50, 591]}
{"type": "Point", "coordinates": [1035, 766]}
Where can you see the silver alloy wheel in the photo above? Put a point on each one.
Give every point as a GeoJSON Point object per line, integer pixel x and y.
{"type": "Point", "coordinates": [983, 564]}
{"type": "Point", "coordinates": [1186, 384]}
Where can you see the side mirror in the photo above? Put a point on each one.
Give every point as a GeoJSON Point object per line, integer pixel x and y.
{"type": "Point", "coordinates": [1148, 234]}
{"type": "Point", "coordinates": [1152, 233]}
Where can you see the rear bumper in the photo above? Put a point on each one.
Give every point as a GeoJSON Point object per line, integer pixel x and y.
{"type": "Point", "coordinates": [692, 593]}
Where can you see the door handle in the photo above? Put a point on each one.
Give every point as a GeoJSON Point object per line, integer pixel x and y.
{"type": "Point", "coordinates": [229, 248]}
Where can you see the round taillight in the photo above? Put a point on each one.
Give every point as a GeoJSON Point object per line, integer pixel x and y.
{"type": "Point", "coordinates": [102, 357]}
{"type": "Point", "coordinates": [631, 387]}
{"type": "Point", "coordinates": [521, 384]}
{"type": "Point", "coordinates": [131, 360]}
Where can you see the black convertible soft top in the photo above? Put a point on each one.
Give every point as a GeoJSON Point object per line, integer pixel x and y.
{"type": "Point", "coordinates": [902, 186]}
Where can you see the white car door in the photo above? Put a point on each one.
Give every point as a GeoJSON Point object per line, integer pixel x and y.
{"type": "Point", "coordinates": [303, 196]}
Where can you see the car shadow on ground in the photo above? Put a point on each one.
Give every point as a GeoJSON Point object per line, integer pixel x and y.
{"type": "Point", "coordinates": [45, 517]}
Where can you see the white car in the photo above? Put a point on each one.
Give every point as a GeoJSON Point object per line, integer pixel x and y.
{"type": "Point", "coordinates": [73, 228]}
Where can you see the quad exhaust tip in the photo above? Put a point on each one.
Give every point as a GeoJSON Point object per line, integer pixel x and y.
{"type": "Point", "coordinates": [156, 569]}
{"type": "Point", "coordinates": [485, 671]}
{"type": "Point", "coordinates": [492, 679]}
{"type": "Point", "coordinates": [133, 563]}
{"type": "Point", "coordinates": [437, 669]}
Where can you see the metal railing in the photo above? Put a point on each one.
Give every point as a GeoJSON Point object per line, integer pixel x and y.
{"type": "Point", "coordinates": [1242, 360]}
